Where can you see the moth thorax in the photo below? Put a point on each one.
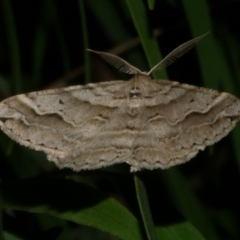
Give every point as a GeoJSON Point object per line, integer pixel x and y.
{"type": "Point", "coordinates": [135, 93]}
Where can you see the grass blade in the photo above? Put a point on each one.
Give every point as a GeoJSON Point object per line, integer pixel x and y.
{"type": "Point", "coordinates": [200, 23]}
{"type": "Point", "coordinates": [150, 46]}
{"type": "Point", "coordinates": [144, 208]}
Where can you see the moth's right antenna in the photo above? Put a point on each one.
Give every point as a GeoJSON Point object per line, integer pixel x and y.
{"type": "Point", "coordinates": [177, 53]}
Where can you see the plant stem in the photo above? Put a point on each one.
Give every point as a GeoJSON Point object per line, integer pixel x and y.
{"type": "Point", "coordinates": [144, 208]}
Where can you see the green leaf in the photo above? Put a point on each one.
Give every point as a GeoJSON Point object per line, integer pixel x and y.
{"type": "Point", "coordinates": [72, 201]}
{"type": "Point", "coordinates": [179, 231]}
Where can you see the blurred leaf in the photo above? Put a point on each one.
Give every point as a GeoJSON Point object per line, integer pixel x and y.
{"type": "Point", "coordinates": [85, 233]}
{"type": "Point", "coordinates": [10, 236]}
{"type": "Point", "coordinates": [172, 2]}
{"type": "Point", "coordinates": [231, 47]}
{"type": "Point", "coordinates": [187, 203]}
{"type": "Point", "coordinates": [111, 22]}
{"type": "Point", "coordinates": [74, 202]}
{"type": "Point", "coordinates": [4, 86]}
{"type": "Point", "coordinates": [179, 231]}
{"type": "Point", "coordinates": [151, 4]}
{"type": "Point", "coordinates": [199, 19]}
{"type": "Point", "coordinates": [228, 223]}
{"type": "Point", "coordinates": [227, 82]}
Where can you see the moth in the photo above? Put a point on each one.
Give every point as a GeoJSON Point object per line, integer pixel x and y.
{"type": "Point", "coordinates": [144, 122]}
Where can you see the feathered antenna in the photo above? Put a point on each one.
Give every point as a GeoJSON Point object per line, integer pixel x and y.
{"type": "Point", "coordinates": [177, 53]}
{"type": "Point", "coordinates": [118, 63]}
{"type": "Point", "coordinates": [126, 67]}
